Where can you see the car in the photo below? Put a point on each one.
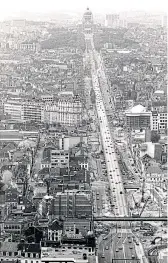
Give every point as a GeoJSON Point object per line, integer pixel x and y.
{"type": "Point", "coordinates": [119, 226]}
{"type": "Point", "coordinates": [131, 247]}
{"type": "Point", "coordinates": [104, 238]}
{"type": "Point", "coordinates": [120, 248]}
{"type": "Point", "coordinates": [103, 256]}
{"type": "Point", "coordinates": [106, 247]}
{"type": "Point", "coordinates": [133, 256]}
{"type": "Point", "coordinates": [117, 250]}
{"type": "Point", "coordinates": [137, 243]}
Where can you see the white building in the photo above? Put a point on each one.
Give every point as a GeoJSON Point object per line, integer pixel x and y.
{"type": "Point", "coordinates": [59, 158]}
{"type": "Point", "coordinates": [69, 142]}
{"type": "Point", "coordinates": [14, 109]}
{"type": "Point", "coordinates": [159, 121]}
{"type": "Point", "coordinates": [68, 254]}
{"type": "Point", "coordinates": [87, 22]}
{"type": "Point", "coordinates": [24, 110]}
{"type": "Point", "coordinates": [67, 111]}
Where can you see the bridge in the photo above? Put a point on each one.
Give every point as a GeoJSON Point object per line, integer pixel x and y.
{"type": "Point", "coordinates": [131, 187]}
{"type": "Point", "coordinates": [128, 218]}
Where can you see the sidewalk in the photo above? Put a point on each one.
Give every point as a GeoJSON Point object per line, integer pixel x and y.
{"type": "Point", "coordinates": [140, 253]}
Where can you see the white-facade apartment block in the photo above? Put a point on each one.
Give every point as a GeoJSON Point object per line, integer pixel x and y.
{"type": "Point", "coordinates": [14, 109]}
{"type": "Point", "coordinates": [24, 110]}
{"type": "Point", "coordinates": [159, 121]}
{"type": "Point", "coordinates": [59, 158]}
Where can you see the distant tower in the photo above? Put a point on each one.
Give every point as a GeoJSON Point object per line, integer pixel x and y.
{"type": "Point", "coordinates": [88, 22]}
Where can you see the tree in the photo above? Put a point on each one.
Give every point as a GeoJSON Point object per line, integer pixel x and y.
{"type": "Point", "coordinates": [155, 137]}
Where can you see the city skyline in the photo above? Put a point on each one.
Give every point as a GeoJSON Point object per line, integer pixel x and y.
{"type": "Point", "coordinates": [18, 7]}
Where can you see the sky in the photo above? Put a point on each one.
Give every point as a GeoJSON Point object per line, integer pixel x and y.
{"type": "Point", "coordinates": [9, 7]}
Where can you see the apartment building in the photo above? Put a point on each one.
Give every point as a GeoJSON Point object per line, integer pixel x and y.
{"type": "Point", "coordinates": [20, 110]}
{"type": "Point", "coordinates": [29, 46]}
{"type": "Point", "coordinates": [59, 158]}
{"type": "Point", "coordinates": [32, 111]}
{"type": "Point", "coordinates": [14, 109]}
{"type": "Point", "coordinates": [67, 110]}
{"type": "Point", "coordinates": [159, 121]}
{"type": "Point", "coordinates": [138, 118]}
{"type": "Point", "coordinates": [72, 204]}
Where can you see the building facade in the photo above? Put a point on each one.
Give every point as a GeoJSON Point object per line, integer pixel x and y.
{"type": "Point", "coordinates": [59, 158]}
{"type": "Point", "coordinates": [87, 22]}
{"type": "Point", "coordinates": [138, 118]}
{"type": "Point", "coordinates": [159, 121]}
{"type": "Point", "coordinates": [72, 204]}
{"type": "Point", "coordinates": [14, 109]}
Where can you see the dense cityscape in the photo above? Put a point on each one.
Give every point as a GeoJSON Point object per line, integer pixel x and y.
{"type": "Point", "coordinates": [83, 139]}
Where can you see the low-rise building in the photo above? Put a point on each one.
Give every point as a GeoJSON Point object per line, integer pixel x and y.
{"type": "Point", "coordinates": [155, 175]}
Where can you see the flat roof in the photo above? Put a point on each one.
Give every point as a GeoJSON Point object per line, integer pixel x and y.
{"type": "Point", "coordinates": [75, 252]}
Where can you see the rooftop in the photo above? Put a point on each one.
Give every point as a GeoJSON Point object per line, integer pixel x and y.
{"type": "Point", "coordinates": [159, 92]}
{"type": "Point", "coordinates": [138, 109]}
{"type": "Point", "coordinates": [75, 252]}
{"type": "Point", "coordinates": [154, 170]}
{"type": "Point", "coordinates": [9, 246]}
{"type": "Point", "coordinates": [30, 247]}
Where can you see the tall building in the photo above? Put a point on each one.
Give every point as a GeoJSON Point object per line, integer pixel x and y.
{"type": "Point", "coordinates": [20, 110]}
{"type": "Point", "coordinates": [32, 111]}
{"type": "Point", "coordinates": [138, 118]}
{"type": "Point", "coordinates": [59, 158]}
{"type": "Point", "coordinates": [159, 121]}
{"type": "Point", "coordinates": [72, 204]}
{"type": "Point", "coordinates": [69, 110]}
{"type": "Point", "coordinates": [87, 22]}
{"type": "Point", "coordinates": [164, 21]}
{"type": "Point", "coordinates": [14, 109]}
{"type": "Point", "coordinates": [114, 21]}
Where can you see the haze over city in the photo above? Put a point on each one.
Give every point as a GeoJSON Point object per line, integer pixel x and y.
{"type": "Point", "coordinates": [83, 132]}
{"type": "Point", "coordinates": [19, 7]}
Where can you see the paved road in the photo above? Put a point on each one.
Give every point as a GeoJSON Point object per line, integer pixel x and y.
{"type": "Point", "coordinates": [113, 171]}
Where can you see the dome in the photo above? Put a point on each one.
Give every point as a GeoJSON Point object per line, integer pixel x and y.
{"type": "Point", "coordinates": [138, 109]}
{"type": "Point", "coordinates": [88, 12]}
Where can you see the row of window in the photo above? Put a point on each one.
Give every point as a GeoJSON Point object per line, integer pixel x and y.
{"type": "Point", "coordinates": [12, 227]}
{"type": "Point", "coordinates": [63, 154]}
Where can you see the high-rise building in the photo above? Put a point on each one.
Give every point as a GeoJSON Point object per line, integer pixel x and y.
{"type": "Point", "coordinates": [114, 21]}
{"type": "Point", "coordinates": [164, 21]}
{"type": "Point", "coordinates": [72, 204]}
{"type": "Point", "coordinates": [138, 118]}
{"type": "Point", "coordinates": [87, 21]}
{"type": "Point", "coordinates": [14, 109]}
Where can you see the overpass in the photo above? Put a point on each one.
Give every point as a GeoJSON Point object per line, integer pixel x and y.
{"type": "Point", "coordinates": [128, 218]}
{"type": "Point", "coordinates": [131, 187]}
